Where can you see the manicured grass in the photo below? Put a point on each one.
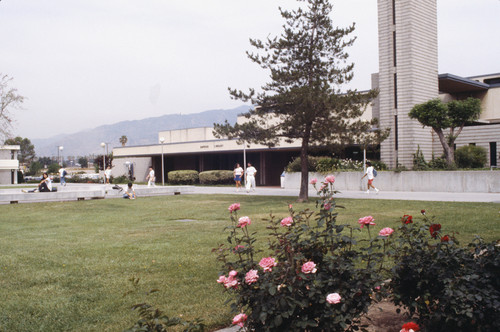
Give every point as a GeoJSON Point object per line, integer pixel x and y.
{"type": "Point", "coordinates": [66, 266]}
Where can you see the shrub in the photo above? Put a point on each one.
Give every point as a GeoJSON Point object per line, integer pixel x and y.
{"type": "Point", "coordinates": [216, 177]}
{"type": "Point", "coordinates": [120, 179]}
{"type": "Point", "coordinates": [294, 165]}
{"type": "Point", "coordinates": [419, 163]}
{"type": "Point", "coordinates": [183, 177]}
{"type": "Point", "coordinates": [379, 165]}
{"type": "Point", "coordinates": [315, 274]}
{"type": "Point", "coordinates": [451, 288]}
{"type": "Point", "coordinates": [470, 156]}
{"type": "Point", "coordinates": [325, 165]}
{"type": "Point", "coordinates": [438, 163]}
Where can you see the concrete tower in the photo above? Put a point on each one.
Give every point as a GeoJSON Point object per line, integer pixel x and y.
{"type": "Point", "coordinates": [408, 75]}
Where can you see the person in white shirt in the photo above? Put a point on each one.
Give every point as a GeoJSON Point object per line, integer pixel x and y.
{"type": "Point", "coordinates": [151, 177]}
{"type": "Point", "coordinates": [250, 177]}
{"type": "Point", "coordinates": [62, 176]}
{"type": "Point", "coordinates": [371, 177]}
{"type": "Point", "coordinates": [237, 174]}
{"type": "Point", "coordinates": [107, 174]}
{"type": "Point", "coordinates": [44, 186]}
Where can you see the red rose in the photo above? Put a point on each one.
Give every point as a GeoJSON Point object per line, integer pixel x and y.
{"type": "Point", "coordinates": [422, 211]}
{"type": "Point", "coordinates": [445, 238]}
{"type": "Point", "coordinates": [411, 326]}
{"type": "Point", "coordinates": [407, 219]}
{"type": "Point", "coordinates": [434, 229]}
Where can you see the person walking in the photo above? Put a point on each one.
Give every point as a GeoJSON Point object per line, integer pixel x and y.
{"type": "Point", "coordinates": [237, 174]}
{"type": "Point", "coordinates": [62, 176]}
{"type": "Point", "coordinates": [151, 177]}
{"type": "Point", "coordinates": [370, 174]}
{"type": "Point", "coordinates": [250, 177]}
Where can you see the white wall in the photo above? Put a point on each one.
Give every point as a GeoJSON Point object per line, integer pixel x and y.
{"type": "Point", "coordinates": [432, 181]}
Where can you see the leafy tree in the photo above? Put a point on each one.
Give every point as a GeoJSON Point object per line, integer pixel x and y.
{"type": "Point", "coordinates": [27, 152]}
{"type": "Point", "coordinates": [123, 140]}
{"type": "Point", "coordinates": [53, 168]}
{"type": "Point", "coordinates": [303, 101]}
{"type": "Point", "coordinates": [35, 167]}
{"type": "Point", "coordinates": [45, 161]}
{"type": "Point", "coordinates": [9, 100]}
{"type": "Point", "coordinates": [451, 116]}
{"type": "Point", "coordinates": [83, 161]}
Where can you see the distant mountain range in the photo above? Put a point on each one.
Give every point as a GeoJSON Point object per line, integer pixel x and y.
{"type": "Point", "coordinates": [138, 132]}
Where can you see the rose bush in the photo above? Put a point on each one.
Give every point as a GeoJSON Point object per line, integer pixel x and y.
{"type": "Point", "coordinates": [315, 275]}
{"type": "Point", "coordinates": [448, 287]}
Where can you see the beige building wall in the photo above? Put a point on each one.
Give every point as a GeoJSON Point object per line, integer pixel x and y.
{"type": "Point", "coordinates": [9, 164]}
{"type": "Point", "coordinates": [408, 75]}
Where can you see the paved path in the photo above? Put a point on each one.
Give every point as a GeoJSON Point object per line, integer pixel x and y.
{"type": "Point", "coordinates": [398, 195]}
{"type": "Point", "coordinates": [276, 191]}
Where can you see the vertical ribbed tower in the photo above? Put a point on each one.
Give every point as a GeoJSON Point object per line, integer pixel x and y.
{"type": "Point", "coordinates": [408, 75]}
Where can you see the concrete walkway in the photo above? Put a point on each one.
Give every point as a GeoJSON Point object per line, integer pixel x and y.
{"type": "Point", "coordinates": [396, 195]}
{"type": "Point", "coordinates": [276, 191]}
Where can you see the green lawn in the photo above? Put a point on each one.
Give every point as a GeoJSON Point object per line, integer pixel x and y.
{"type": "Point", "coordinates": [66, 266]}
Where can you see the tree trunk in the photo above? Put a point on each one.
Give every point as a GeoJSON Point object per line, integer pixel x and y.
{"type": "Point", "coordinates": [304, 166]}
{"type": "Point", "coordinates": [448, 150]}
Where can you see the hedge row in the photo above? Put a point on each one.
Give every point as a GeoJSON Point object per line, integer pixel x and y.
{"type": "Point", "coordinates": [206, 177]}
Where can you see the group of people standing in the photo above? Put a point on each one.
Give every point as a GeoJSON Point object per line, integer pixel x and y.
{"type": "Point", "coordinates": [249, 173]}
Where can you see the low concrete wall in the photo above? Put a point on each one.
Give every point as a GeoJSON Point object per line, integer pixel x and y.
{"type": "Point", "coordinates": [432, 181]}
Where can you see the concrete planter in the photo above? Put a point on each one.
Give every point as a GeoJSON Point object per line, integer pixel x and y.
{"type": "Point", "coordinates": [432, 181]}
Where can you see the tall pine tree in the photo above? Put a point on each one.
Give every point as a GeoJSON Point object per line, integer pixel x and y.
{"type": "Point", "coordinates": [303, 101]}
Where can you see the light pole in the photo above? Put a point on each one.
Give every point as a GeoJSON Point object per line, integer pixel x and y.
{"type": "Point", "coordinates": [162, 140]}
{"type": "Point", "coordinates": [103, 155]}
{"type": "Point", "coordinates": [59, 150]}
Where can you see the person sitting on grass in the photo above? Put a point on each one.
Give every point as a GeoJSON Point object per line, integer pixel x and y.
{"type": "Point", "coordinates": [130, 193]}
{"type": "Point", "coordinates": [44, 186]}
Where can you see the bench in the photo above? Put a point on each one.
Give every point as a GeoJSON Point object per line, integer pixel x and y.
{"type": "Point", "coordinates": [80, 195]}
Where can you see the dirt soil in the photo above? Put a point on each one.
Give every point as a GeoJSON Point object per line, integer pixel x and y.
{"type": "Point", "coordinates": [382, 317]}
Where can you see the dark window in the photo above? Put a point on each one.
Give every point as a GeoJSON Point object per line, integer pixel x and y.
{"type": "Point", "coordinates": [396, 132]}
{"type": "Point", "coordinates": [493, 153]}
{"type": "Point", "coordinates": [394, 47]}
{"type": "Point", "coordinates": [393, 11]}
{"type": "Point", "coordinates": [395, 91]}
{"type": "Point", "coordinates": [495, 80]}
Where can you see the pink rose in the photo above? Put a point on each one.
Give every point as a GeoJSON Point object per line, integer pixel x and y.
{"type": "Point", "coordinates": [244, 221]}
{"type": "Point", "coordinates": [267, 263]}
{"type": "Point", "coordinates": [385, 231]}
{"type": "Point", "coordinates": [309, 267]}
{"type": "Point", "coordinates": [330, 179]}
{"type": "Point", "coordinates": [333, 298]}
{"type": "Point", "coordinates": [238, 248]}
{"type": "Point", "coordinates": [251, 277]}
{"type": "Point", "coordinates": [221, 280]}
{"type": "Point", "coordinates": [288, 221]}
{"type": "Point", "coordinates": [327, 206]}
{"type": "Point", "coordinates": [313, 181]}
{"type": "Point", "coordinates": [229, 282]}
{"type": "Point", "coordinates": [366, 221]}
{"type": "Point", "coordinates": [240, 320]}
{"type": "Point", "coordinates": [233, 207]}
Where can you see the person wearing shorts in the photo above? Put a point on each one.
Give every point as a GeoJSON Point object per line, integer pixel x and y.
{"type": "Point", "coordinates": [237, 173]}
{"type": "Point", "coordinates": [371, 177]}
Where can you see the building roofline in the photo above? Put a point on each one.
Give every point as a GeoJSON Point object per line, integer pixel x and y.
{"type": "Point", "coordinates": [450, 83]}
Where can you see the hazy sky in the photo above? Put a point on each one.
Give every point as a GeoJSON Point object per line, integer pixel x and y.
{"type": "Point", "coordinates": [85, 63]}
